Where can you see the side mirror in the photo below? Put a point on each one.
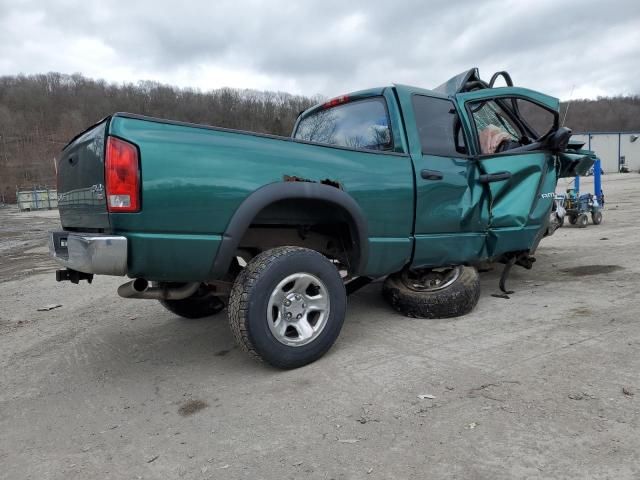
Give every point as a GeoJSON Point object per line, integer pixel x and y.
{"type": "Point", "coordinates": [559, 139]}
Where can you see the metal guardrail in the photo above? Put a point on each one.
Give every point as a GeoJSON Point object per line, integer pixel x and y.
{"type": "Point", "coordinates": [37, 199]}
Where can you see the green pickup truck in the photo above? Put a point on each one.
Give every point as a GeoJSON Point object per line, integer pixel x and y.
{"type": "Point", "coordinates": [415, 185]}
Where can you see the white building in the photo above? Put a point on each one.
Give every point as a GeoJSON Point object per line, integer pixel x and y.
{"type": "Point", "coordinates": [615, 149]}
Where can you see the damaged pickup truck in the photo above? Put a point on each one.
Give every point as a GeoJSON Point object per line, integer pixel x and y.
{"type": "Point", "coordinates": [415, 185]}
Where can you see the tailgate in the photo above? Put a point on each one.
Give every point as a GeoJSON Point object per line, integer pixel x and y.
{"type": "Point", "coordinates": [81, 194]}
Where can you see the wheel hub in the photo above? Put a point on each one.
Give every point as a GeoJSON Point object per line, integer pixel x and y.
{"type": "Point", "coordinates": [431, 279]}
{"type": "Point", "coordinates": [294, 307]}
{"type": "Point", "coordinates": [298, 309]}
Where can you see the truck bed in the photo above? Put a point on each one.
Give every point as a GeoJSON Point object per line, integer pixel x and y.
{"type": "Point", "coordinates": [194, 177]}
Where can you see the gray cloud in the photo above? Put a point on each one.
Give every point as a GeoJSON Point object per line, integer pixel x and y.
{"type": "Point", "coordinates": [328, 47]}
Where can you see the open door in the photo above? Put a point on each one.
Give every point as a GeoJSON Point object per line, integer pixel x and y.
{"type": "Point", "coordinates": [508, 128]}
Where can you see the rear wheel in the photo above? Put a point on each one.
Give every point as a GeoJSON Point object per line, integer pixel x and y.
{"type": "Point", "coordinates": [573, 219]}
{"type": "Point", "coordinates": [596, 217]}
{"type": "Point", "coordinates": [433, 293]}
{"type": "Point", "coordinates": [287, 306]}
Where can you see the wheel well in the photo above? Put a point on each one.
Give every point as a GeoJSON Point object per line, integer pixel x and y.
{"type": "Point", "coordinates": [312, 210]}
{"type": "Point", "coordinates": [311, 223]}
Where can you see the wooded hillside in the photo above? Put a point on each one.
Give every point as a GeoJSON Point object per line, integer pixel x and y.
{"type": "Point", "coordinates": [40, 113]}
{"type": "Point", "coordinates": [607, 114]}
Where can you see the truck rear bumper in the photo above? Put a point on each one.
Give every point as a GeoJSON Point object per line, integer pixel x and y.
{"type": "Point", "coordinates": [89, 253]}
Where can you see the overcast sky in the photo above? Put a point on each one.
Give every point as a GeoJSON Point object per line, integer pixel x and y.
{"type": "Point", "coordinates": [328, 47]}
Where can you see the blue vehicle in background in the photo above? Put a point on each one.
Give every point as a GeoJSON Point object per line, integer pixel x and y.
{"type": "Point", "coordinates": [579, 206]}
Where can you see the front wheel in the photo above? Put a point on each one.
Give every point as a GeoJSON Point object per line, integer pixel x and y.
{"type": "Point", "coordinates": [433, 293]}
{"type": "Point", "coordinates": [582, 220]}
{"type": "Point", "coordinates": [561, 221]}
{"type": "Point", "coordinates": [287, 306]}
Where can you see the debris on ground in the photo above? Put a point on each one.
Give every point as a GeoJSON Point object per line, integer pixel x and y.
{"type": "Point", "coordinates": [191, 407]}
{"type": "Point", "coordinates": [426, 396]}
{"type": "Point", "coordinates": [51, 306]}
{"type": "Point", "coordinates": [487, 390]}
{"type": "Point", "coordinates": [365, 417]}
{"type": "Point", "coordinates": [627, 391]}
{"type": "Point", "coordinates": [501, 295]}
{"type": "Point", "coordinates": [153, 459]}
{"type": "Point", "coordinates": [348, 440]}
{"type": "Point", "coordinates": [112, 427]}
{"type": "Point", "coordinates": [471, 426]}
{"type": "Point", "coordinates": [581, 396]}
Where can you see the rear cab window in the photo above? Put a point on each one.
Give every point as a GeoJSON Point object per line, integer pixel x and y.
{"type": "Point", "coordinates": [360, 124]}
{"type": "Point", "coordinates": [439, 127]}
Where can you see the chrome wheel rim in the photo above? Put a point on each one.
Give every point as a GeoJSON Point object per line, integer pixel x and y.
{"type": "Point", "coordinates": [431, 279]}
{"type": "Point", "coordinates": [298, 309]}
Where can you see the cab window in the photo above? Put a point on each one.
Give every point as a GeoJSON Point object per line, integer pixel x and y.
{"type": "Point", "coordinates": [438, 126]}
{"type": "Point", "coordinates": [537, 119]}
{"type": "Point", "coordinates": [361, 124]}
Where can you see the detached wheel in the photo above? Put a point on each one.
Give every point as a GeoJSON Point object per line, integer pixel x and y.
{"type": "Point", "coordinates": [582, 220]}
{"type": "Point", "coordinates": [287, 306]}
{"type": "Point", "coordinates": [433, 293]}
{"type": "Point", "coordinates": [596, 217]}
{"type": "Point", "coordinates": [201, 304]}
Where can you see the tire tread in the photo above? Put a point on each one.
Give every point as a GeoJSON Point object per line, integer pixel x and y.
{"type": "Point", "coordinates": [242, 290]}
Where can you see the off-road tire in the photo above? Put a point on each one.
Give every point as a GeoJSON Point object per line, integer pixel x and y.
{"type": "Point", "coordinates": [457, 299]}
{"type": "Point", "coordinates": [250, 296]}
{"type": "Point", "coordinates": [200, 304]}
{"type": "Point", "coordinates": [596, 217]}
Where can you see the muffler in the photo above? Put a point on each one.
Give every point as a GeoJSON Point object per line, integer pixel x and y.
{"type": "Point", "coordinates": [140, 288]}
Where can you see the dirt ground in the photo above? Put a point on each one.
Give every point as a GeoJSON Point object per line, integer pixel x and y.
{"type": "Point", "coordinates": [545, 384]}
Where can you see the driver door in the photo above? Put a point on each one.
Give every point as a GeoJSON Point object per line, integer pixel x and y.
{"type": "Point", "coordinates": [519, 176]}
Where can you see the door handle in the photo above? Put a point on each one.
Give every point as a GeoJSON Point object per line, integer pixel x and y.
{"type": "Point", "coordinates": [431, 175]}
{"type": "Point", "coordinates": [495, 177]}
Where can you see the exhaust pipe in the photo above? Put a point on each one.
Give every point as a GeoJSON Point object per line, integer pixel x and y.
{"type": "Point", "coordinates": [139, 288]}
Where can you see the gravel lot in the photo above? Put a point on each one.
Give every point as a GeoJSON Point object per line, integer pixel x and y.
{"type": "Point", "coordinates": [545, 384]}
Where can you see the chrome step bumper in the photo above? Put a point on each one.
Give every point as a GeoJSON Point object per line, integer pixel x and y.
{"type": "Point", "coordinates": [89, 252]}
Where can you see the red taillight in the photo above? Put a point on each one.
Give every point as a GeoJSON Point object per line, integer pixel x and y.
{"type": "Point", "coordinates": [336, 101]}
{"type": "Point", "coordinates": [122, 176]}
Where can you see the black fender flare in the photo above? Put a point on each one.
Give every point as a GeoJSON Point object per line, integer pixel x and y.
{"type": "Point", "coordinates": [273, 192]}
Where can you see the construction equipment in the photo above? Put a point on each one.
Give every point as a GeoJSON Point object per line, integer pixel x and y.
{"type": "Point", "coordinates": [580, 206]}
